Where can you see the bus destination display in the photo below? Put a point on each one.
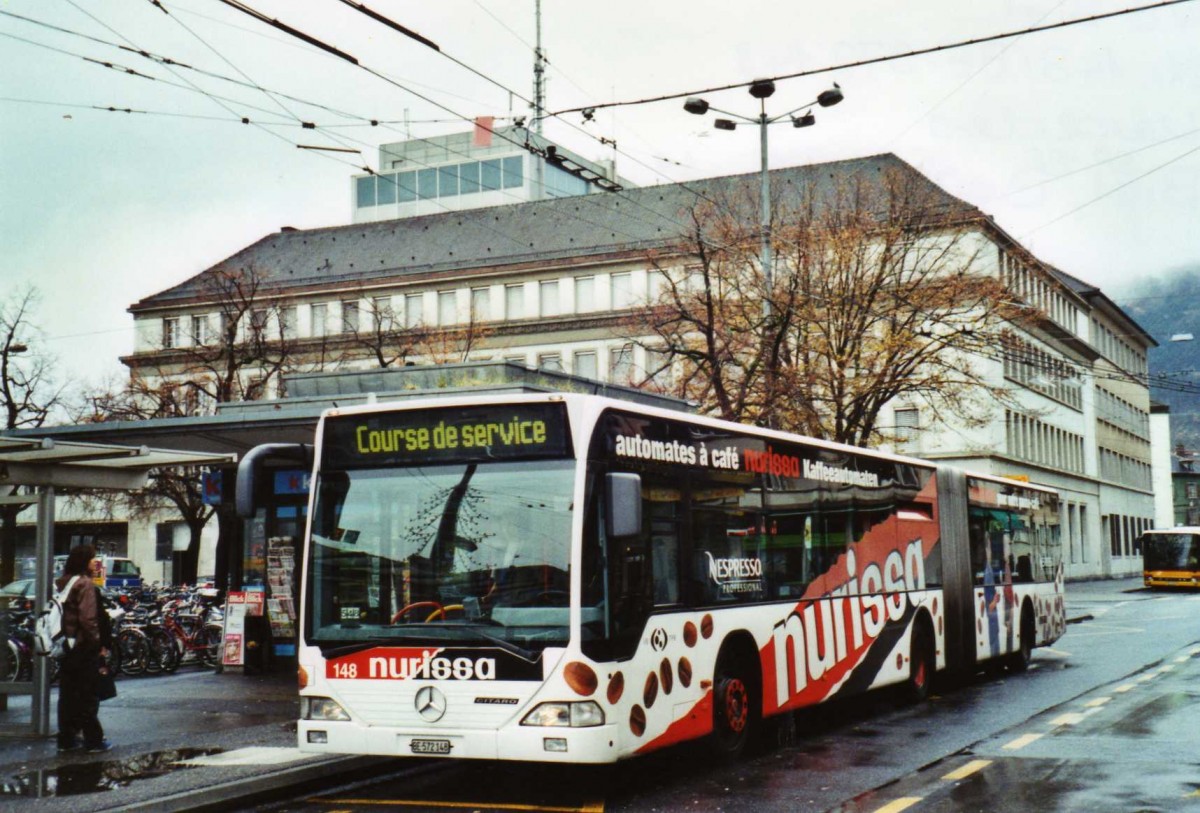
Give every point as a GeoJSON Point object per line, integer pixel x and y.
{"type": "Point", "coordinates": [446, 435]}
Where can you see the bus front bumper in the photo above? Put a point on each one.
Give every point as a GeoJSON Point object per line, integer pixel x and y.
{"type": "Point", "coordinates": [595, 744]}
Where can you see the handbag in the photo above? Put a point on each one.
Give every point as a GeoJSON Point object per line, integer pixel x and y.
{"type": "Point", "coordinates": [106, 687]}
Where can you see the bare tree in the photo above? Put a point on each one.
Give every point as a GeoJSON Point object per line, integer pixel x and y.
{"type": "Point", "coordinates": [876, 294]}
{"type": "Point", "coordinates": [382, 335]}
{"type": "Point", "coordinates": [29, 395]}
{"type": "Point", "coordinates": [230, 355]}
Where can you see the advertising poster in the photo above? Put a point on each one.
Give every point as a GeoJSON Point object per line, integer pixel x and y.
{"type": "Point", "coordinates": [235, 629]}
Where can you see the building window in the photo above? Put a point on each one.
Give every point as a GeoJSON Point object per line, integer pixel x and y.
{"type": "Point", "coordinates": [170, 333]}
{"type": "Point", "coordinates": [447, 308]}
{"type": "Point", "coordinates": [385, 319]}
{"type": "Point", "coordinates": [287, 322]}
{"type": "Point", "coordinates": [550, 361]}
{"type": "Point", "coordinates": [514, 301]}
{"type": "Point", "coordinates": [622, 291]}
{"type": "Point", "coordinates": [620, 364]}
{"type": "Point", "coordinates": [658, 367]}
{"type": "Point", "coordinates": [200, 330]}
{"type": "Point", "coordinates": [585, 364]}
{"type": "Point", "coordinates": [366, 191]}
{"type": "Point", "coordinates": [908, 421]}
{"type": "Point", "coordinates": [258, 325]}
{"type": "Point", "coordinates": [549, 297]}
{"type": "Point", "coordinates": [320, 319]}
{"type": "Point", "coordinates": [481, 300]}
{"type": "Point", "coordinates": [1192, 490]}
{"type": "Point", "coordinates": [585, 294]}
{"type": "Point", "coordinates": [350, 316]}
{"type": "Point", "coordinates": [414, 309]}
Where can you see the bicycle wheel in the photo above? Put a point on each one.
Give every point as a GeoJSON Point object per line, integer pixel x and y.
{"type": "Point", "coordinates": [213, 635]}
{"type": "Point", "coordinates": [10, 661]}
{"type": "Point", "coordinates": [162, 657]}
{"type": "Point", "coordinates": [132, 651]}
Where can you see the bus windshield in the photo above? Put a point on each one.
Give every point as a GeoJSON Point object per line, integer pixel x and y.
{"type": "Point", "coordinates": [1171, 551]}
{"type": "Point", "coordinates": [462, 554]}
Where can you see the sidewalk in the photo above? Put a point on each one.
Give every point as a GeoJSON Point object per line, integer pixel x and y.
{"type": "Point", "coordinates": [188, 741]}
{"type": "Point", "coordinates": [198, 740]}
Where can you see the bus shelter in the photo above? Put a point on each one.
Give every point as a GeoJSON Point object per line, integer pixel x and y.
{"type": "Point", "coordinates": [50, 466]}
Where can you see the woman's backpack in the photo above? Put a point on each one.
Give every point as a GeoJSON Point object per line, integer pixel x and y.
{"type": "Point", "coordinates": [48, 636]}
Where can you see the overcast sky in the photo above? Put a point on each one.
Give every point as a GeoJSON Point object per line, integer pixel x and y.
{"type": "Point", "coordinates": [1083, 142]}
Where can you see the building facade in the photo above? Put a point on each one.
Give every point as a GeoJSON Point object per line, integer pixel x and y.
{"type": "Point", "coordinates": [552, 284]}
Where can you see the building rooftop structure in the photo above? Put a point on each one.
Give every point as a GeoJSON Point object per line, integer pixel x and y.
{"type": "Point", "coordinates": [431, 246]}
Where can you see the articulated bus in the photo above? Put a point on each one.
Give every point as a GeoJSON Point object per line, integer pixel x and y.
{"type": "Point", "coordinates": [1171, 557]}
{"type": "Point", "coordinates": [571, 578]}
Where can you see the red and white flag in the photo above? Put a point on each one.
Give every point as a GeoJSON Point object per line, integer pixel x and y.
{"type": "Point", "coordinates": [483, 131]}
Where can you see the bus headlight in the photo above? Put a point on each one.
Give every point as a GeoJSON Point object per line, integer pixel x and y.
{"type": "Point", "coordinates": [322, 708]}
{"type": "Point", "coordinates": [584, 714]}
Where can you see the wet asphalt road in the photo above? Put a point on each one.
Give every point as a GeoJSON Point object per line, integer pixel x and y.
{"type": "Point", "coordinates": [1104, 721]}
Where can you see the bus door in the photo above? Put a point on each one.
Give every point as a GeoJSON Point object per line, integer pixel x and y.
{"type": "Point", "coordinates": [961, 543]}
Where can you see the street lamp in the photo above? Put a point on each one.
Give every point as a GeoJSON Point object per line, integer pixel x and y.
{"type": "Point", "coordinates": [763, 89]}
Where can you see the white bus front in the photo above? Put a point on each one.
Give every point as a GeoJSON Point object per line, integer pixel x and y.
{"type": "Point", "coordinates": [437, 587]}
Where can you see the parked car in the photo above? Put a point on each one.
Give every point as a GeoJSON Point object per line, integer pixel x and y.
{"type": "Point", "coordinates": [15, 594]}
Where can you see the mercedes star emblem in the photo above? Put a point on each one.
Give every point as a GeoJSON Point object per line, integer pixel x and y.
{"type": "Point", "coordinates": [430, 704]}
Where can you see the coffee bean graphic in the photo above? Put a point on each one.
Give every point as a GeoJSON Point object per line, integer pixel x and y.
{"type": "Point", "coordinates": [689, 634]}
{"type": "Point", "coordinates": [581, 678]}
{"type": "Point", "coordinates": [637, 721]}
{"type": "Point", "coordinates": [685, 672]}
{"type": "Point", "coordinates": [706, 624]}
{"type": "Point", "coordinates": [616, 687]}
{"type": "Point", "coordinates": [650, 694]}
{"type": "Point", "coordinates": [665, 676]}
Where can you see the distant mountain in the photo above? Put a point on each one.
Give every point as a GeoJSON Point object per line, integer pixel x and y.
{"type": "Point", "coordinates": [1169, 306]}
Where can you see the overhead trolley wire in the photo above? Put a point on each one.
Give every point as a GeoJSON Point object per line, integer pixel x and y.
{"type": "Point", "coordinates": [877, 60]}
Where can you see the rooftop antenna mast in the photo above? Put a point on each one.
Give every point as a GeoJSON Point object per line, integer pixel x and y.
{"type": "Point", "coordinates": [539, 73]}
{"type": "Point", "coordinates": [539, 104]}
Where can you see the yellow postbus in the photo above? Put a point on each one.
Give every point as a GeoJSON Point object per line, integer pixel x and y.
{"type": "Point", "coordinates": [1171, 557]}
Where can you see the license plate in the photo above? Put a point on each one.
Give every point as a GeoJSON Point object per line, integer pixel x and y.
{"type": "Point", "coordinates": [430, 746]}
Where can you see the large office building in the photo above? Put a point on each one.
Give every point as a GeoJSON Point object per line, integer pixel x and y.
{"type": "Point", "coordinates": [463, 250]}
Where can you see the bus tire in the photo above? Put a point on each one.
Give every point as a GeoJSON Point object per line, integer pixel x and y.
{"type": "Point", "coordinates": [736, 709]}
{"type": "Point", "coordinates": [922, 662]}
{"type": "Point", "coordinates": [1019, 661]}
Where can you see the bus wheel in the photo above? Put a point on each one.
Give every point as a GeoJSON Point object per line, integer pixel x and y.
{"type": "Point", "coordinates": [1019, 661]}
{"type": "Point", "coordinates": [733, 708]}
{"type": "Point", "coordinates": [922, 663]}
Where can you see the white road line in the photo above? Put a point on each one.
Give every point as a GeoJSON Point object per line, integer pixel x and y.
{"type": "Point", "coordinates": [1125, 687]}
{"type": "Point", "coordinates": [1070, 718]}
{"type": "Point", "coordinates": [1021, 742]}
{"type": "Point", "coordinates": [974, 766]}
{"type": "Point", "coordinates": [1097, 702]}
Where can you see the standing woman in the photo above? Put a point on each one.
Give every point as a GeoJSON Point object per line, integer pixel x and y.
{"type": "Point", "coordinates": [77, 702]}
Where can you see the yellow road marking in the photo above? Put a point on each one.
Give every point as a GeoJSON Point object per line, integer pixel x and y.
{"type": "Point", "coordinates": [1097, 703]}
{"type": "Point", "coordinates": [971, 767]}
{"type": "Point", "coordinates": [899, 804]}
{"type": "Point", "coordinates": [1021, 742]}
{"type": "Point", "coordinates": [593, 807]}
{"type": "Point", "coordinates": [1070, 718]}
{"type": "Point", "coordinates": [1126, 687]}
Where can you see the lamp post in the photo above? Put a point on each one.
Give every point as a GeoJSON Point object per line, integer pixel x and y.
{"type": "Point", "coordinates": [763, 89]}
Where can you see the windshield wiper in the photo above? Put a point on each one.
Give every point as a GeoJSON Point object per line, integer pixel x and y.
{"type": "Point", "coordinates": [507, 646]}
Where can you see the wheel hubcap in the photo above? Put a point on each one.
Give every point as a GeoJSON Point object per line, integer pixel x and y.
{"type": "Point", "coordinates": [737, 705]}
